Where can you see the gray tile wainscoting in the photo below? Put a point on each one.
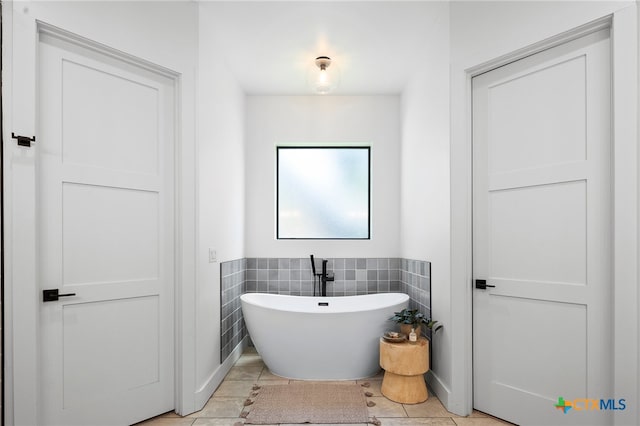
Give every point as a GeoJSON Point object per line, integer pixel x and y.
{"type": "Point", "coordinates": [353, 276]}
{"type": "Point", "coordinates": [232, 286]}
{"type": "Point", "coordinates": [415, 280]}
{"type": "Point", "coordinates": [293, 276]}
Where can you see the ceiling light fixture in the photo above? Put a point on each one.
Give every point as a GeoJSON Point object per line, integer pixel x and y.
{"type": "Point", "coordinates": [325, 80]}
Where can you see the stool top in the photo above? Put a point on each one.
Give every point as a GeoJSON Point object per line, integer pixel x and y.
{"type": "Point", "coordinates": [422, 341]}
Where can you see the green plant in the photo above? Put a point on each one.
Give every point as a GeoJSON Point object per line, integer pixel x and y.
{"type": "Point", "coordinates": [415, 318]}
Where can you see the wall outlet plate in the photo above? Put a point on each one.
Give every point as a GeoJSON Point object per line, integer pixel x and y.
{"type": "Point", "coordinates": [213, 257]}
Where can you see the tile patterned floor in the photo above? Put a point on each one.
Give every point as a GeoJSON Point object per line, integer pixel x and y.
{"type": "Point", "coordinates": [224, 407]}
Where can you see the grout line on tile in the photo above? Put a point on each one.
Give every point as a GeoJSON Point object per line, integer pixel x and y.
{"type": "Point", "coordinates": [406, 413]}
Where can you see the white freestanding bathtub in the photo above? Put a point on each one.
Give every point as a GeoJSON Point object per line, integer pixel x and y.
{"type": "Point", "coordinates": [320, 338]}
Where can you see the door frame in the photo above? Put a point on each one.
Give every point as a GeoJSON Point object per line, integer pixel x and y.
{"type": "Point", "coordinates": [624, 42]}
{"type": "Point", "coordinates": [21, 302]}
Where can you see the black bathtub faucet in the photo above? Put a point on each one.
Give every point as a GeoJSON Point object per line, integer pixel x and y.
{"type": "Point", "coordinates": [321, 277]}
{"type": "Point", "coordinates": [326, 276]}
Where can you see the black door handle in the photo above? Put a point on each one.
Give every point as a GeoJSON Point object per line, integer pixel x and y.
{"type": "Point", "coordinates": [53, 294]}
{"type": "Point", "coordinates": [482, 284]}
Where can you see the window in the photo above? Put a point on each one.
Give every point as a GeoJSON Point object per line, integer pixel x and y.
{"type": "Point", "coordinates": [323, 192]}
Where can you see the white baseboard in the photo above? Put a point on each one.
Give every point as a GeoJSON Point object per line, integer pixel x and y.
{"type": "Point", "coordinates": [203, 394]}
{"type": "Point", "coordinates": [438, 388]}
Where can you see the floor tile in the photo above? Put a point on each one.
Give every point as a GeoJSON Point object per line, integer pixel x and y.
{"type": "Point", "coordinates": [480, 421]}
{"type": "Point", "coordinates": [221, 407]}
{"type": "Point", "coordinates": [327, 424]}
{"type": "Point", "coordinates": [385, 408]}
{"type": "Point", "coordinates": [430, 421]}
{"type": "Point", "coordinates": [432, 407]}
{"type": "Point", "coordinates": [249, 360]}
{"type": "Point", "coordinates": [234, 388]}
{"type": "Point", "coordinates": [216, 422]}
{"type": "Point", "coordinates": [167, 421]}
{"type": "Point", "coordinates": [442, 421]}
{"type": "Point", "coordinates": [374, 386]}
{"type": "Point", "coordinates": [477, 413]}
{"type": "Point", "coordinates": [329, 382]}
{"type": "Point", "coordinates": [224, 408]}
{"type": "Point", "coordinates": [250, 372]}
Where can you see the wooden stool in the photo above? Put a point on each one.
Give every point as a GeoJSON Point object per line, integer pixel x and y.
{"type": "Point", "coordinates": [404, 365]}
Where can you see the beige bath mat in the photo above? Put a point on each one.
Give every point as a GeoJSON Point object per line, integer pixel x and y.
{"type": "Point", "coordinates": [315, 403]}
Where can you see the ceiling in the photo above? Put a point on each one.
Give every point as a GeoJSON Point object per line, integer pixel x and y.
{"type": "Point", "coordinates": [377, 46]}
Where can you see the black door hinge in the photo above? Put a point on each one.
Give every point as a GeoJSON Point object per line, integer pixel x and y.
{"type": "Point", "coordinates": [23, 140]}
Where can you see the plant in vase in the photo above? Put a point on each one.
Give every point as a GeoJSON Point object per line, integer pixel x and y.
{"type": "Point", "coordinates": [413, 319]}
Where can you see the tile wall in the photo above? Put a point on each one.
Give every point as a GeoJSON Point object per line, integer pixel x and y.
{"type": "Point", "coordinates": [293, 276]}
{"type": "Point", "coordinates": [232, 286]}
{"type": "Point", "coordinates": [352, 276]}
{"type": "Point", "coordinates": [415, 280]}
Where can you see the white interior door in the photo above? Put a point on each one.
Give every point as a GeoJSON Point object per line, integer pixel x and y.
{"type": "Point", "coordinates": [104, 184]}
{"type": "Point", "coordinates": [542, 234]}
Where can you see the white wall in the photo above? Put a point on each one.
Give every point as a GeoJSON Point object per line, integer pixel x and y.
{"type": "Point", "coordinates": [164, 33]}
{"type": "Point", "coordinates": [220, 194]}
{"type": "Point", "coordinates": [481, 32]}
{"type": "Point", "coordinates": [302, 119]}
{"type": "Point", "coordinates": [425, 213]}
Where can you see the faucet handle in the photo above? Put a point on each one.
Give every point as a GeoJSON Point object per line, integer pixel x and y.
{"type": "Point", "coordinates": [328, 276]}
{"type": "Point", "coordinates": [313, 264]}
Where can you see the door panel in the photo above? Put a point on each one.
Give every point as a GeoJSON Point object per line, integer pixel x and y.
{"type": "Point", "coordinates": [137, 112]}
{"type": "Point", "coordinates": [514, 314]}
{"type": "Point", "coordinates": [105, 228]}
{"type": "Point", "coordinates": [533, 135]}
{"type": "Point", "coordinates": [126, 223]}
{"type": "Point", "coordinates": [542, 234]}
{"type": "Point", "coordinates": [97, 336]}
{"type": "Point", "coordinates": [525, 225]}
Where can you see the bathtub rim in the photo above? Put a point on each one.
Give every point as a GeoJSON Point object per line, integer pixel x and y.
{"type": "Point", "coordinates": [342, 301]}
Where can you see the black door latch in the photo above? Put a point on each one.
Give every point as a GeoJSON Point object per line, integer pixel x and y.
{"type": "Point", "coordinates": [51, 295]}
{"type": "Point", "coordinates": [482, 284]}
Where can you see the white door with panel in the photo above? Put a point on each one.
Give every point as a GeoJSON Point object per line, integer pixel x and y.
{"type": "Point", "coordinates": [104, 185]}
{"type": "Point", "coordinates": [542, 234]}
